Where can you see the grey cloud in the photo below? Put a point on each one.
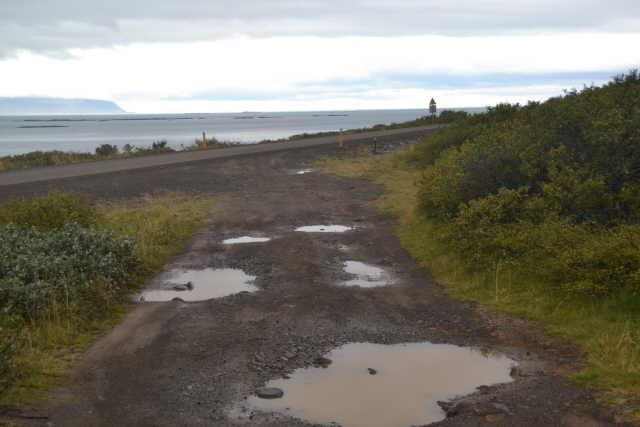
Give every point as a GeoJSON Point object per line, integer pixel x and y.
{"type": "Point", "coordinates": [53, 27]}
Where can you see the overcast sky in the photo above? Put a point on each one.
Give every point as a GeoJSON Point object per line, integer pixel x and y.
{"type": "Point", "coordinates": [276, 55]}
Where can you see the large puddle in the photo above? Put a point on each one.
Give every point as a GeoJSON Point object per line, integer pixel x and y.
{"type": "Point", "coordinates": [245, 239]}
{"type": "Point", "coordinates": [385, 385]}
{"type": "Point", "coordinates": [366, 275]}
{"type": "Point", "coordinates": [324, 228]}
{"type": "Point", "coordinates": [200, 285]}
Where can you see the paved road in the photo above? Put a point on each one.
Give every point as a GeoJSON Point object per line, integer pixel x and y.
{"type": "Point", "coordinates": [24, 176]}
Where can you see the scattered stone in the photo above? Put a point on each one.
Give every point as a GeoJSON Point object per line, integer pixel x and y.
{"type": "Point", "coordinates": [484, 389]}
{"type": "Point", "coordinates": [502, 407]}
{"type": "Point", "coordinates": [323, 361]}
{"type": "Point", "coordinates": [481, 409]}
{"type": "Point", "coordinates": [177, 299]}
{"type": "Point", "coordinates": [372, 371]}
{"type": "Point", "coordinates": [182, 287]}
{"type": "Point", "coordinates": [269, 393]}
{"type": "Point", "coordinates": [494, 418]}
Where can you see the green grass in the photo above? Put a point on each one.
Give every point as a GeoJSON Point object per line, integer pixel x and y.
{"type": "Point", "coordinates": [605, 329]}
{"type": "Point", "coordinates": [160, 224]}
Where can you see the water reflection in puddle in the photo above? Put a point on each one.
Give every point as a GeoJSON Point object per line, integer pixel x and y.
{"type": "Point", "coordinates": [367, 276]}
{"type": "Point", "coordinates": [199, 285]}
{"type": "Point", "coordinates": [304, 171]}
{"type": "Point", "coordinates": [245, 239]}
{"type": "Point", "coordinates": [324, 228]}
{"type": "Point", "coordinates": [385, 385]}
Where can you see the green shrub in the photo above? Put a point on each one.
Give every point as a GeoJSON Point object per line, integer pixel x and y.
{"type": "Point", "coordinates": [107, 150]}
{"type": "Point", "coordinates": [70, 272]}
{"type": "Point", "coordinates": [553, 187]}
{"type": "Point", "coordinates": [43, 158]}
{"type": "Point", "coordinates": [51, 211]}
{"type": "Point", "coordinates": [61, 268]}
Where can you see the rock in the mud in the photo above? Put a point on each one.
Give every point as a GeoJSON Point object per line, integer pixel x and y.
{"type": "Point", "coordinates": [322, 361]}
{"type": "Point", "coordinates": [269, 393]}
{"type": "Point", "coordinates": [481, 409]}
{"type": "Point", "coordinates": [181, 287]}
{"type": "Point", "coordinates": [484, 389]}
{"type": "Point", "coordinates": [372, 371]}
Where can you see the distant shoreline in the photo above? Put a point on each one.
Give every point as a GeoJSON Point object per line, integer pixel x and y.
{"type": "Point", "coordinates": [107, 151]}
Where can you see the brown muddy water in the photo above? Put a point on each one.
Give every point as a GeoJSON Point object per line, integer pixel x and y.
{"type": "Point", "coordinates": [200, 285]}
{"type": "Point", "coordinates": [245, 239]}
{"type": "Point", "coordinates": [324, 228]}
{"type": "Point", "coordinates": [376, 385]}
{"type": "Point", "coordinates": [366, 275]}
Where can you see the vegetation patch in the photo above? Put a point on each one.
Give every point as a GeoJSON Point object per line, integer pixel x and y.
{"type": "Point", "coordinates": [104, 152]}
{"type": "Point", "coordinates": [534, 210]}
{"type": "Point", "coordinates": [67, 269]}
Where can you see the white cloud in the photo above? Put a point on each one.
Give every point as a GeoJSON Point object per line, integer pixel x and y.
{"type": "Point", "coordinates": [55, 26]}
{"type": "Point", "coordinates": [141, 77]}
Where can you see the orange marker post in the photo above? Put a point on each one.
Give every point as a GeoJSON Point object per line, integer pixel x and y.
{"type": "Point", "coordinates": [341, 139]}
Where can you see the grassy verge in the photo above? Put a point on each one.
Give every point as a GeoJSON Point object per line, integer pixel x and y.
{"type": "Point", "coordinates": [607, 332]}
{"type": "Point", "coordinates": [158, 224]}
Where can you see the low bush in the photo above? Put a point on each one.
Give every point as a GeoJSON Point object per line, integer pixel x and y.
{"type": "Point", "coordinates": [107, 150]}
{"type": "Point", "coordinates": [43, 158]}
{"type": "Point", "coordinates": [64, 269]}
{"type": "Point", "coordinates": [553, 187]}
{"type": "Point", "coordinates": [50, 212]}
{"type": "Point", "coordinates": [70, 272]}
{"type": "Point", "coordinates": [67, 270]}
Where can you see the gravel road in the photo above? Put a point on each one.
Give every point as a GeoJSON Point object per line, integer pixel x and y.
{"type": "Point", "coordinates": [194, 363]}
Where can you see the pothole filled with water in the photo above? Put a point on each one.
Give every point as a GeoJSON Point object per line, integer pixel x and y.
{"type": "Point", "coordinates": [366, 275]}
{"type": "Point", "coordinates": [385, 385]}
{"type": "Point", "coordinates": [245, 239]}
{"type": "Point", "coordinates": [324, 228]}
{"type": "Point", "coordinates": [200, 285]}
{"type": "Point", "coordinates": [303, 171]}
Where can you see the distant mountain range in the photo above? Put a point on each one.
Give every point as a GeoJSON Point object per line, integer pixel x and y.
{"type": "Point", "coordinates": [31, 105]}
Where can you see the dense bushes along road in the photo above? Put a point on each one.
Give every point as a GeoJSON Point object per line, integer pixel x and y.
{"type": "Point", "coordinates": [552, 189]}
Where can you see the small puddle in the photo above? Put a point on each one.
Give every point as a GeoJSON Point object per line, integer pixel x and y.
{"type": "Point", "coordinates": [367, 276]}
{"type": "Point", "coordinates": [200, 285]}
{"type": "Point", "coordinates": [245, 239]}
{"type": "Point", "coordinates": [324, 229]}
{"type": "Point", "coordinates": [376, 385]}
{"type": "Point", "coordinates": [303, 171]}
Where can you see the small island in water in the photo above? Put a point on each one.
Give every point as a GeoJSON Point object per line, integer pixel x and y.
{"type": "Point", "coordinates": [36, 105]}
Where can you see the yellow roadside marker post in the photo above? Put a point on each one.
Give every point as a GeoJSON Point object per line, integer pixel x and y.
{"type": "Point", "coordinates": [341, 139]}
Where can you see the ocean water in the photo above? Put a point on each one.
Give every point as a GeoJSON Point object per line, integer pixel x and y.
{"type": "Point", "coordinates": [83, 133]}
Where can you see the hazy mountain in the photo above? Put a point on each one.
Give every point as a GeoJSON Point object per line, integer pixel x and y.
{"type": "Point", "coordinates": [30, 105]}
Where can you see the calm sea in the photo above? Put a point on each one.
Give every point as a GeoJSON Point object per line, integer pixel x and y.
{"type": "Point", "coordinates": [83, 133]}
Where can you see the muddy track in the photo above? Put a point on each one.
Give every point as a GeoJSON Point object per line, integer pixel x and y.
{"type": "Point", "coordinates": [194, 364]}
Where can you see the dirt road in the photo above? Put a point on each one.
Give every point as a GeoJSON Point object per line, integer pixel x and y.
{"type": "Point", "coordinates": [195, 363]}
